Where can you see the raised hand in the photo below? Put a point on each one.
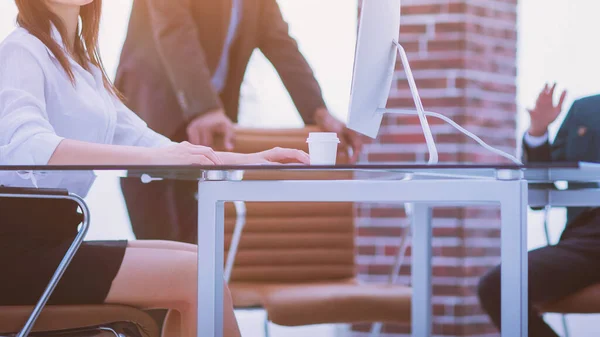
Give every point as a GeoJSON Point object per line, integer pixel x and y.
{"type": "Point", "coordinates": [545, 112]}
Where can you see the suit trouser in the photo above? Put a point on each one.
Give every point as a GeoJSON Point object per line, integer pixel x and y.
{"type": "Point", "coordinates": [555, 272]}
{"type": "Point", "coordinates": [165, 209]}
{"type": "Point", "coordinates": [162, 210]}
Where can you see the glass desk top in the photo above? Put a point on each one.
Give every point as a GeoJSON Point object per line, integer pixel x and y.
{"type": "Point", "coordinates": [539, 172]}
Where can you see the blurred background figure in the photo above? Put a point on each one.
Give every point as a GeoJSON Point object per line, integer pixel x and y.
{"type": "Point", "coordinates": [571, 262]}
{"type": "Point", "coordinates": [181, 70]}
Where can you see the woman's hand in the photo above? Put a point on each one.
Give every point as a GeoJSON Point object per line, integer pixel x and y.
{"type": "Point", "coordinates": [283, 156]}
{"type": "Point", "coordinates": [273, 156]}
{"type": "Point", "coordinates": [184, 154]}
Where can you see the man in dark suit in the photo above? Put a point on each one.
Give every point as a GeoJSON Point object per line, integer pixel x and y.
{"type": "Point", "coordinates": [181, 70]}
{"type": "Point", "coordinates": [560, 270]}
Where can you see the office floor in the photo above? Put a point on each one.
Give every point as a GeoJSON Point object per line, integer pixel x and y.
{"type": "Point", "coordinates": [251, 324]}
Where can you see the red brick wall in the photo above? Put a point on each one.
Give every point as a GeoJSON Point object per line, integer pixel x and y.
{"type": "Point", "coordinates": [463, 55]}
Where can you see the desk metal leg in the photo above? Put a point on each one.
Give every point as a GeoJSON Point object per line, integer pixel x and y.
{"type": "Point", "coordinates": [512, 196]}
{"type": "Point", "coordinates": [210, 264]}
{"type": "Point", "coordinates": [421, 271]}
{"type": "Point", "coordinates": [514, 263]}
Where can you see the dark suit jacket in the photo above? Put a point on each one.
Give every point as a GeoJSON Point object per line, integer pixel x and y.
{"type": "Point", "coordinates": [173, 47]}
{"type": "Point", "coordinates": [577, 140]}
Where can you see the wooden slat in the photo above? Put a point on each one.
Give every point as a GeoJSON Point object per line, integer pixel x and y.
{"type": "Point", "coordinates": [293, 209]}
{"type": "Point", "coordinates": [293, 257]}
{"type": "Point", "coordinates": [293, 241]}
{"type": "Point", "coordinates": [292, 274]}
{"type": "Point", "coordinates": [244, 132]}
{"type": "Point", "coordinates": [294, 225]}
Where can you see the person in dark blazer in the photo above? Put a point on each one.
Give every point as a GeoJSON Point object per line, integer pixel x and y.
{"type": "Point", "coordinates": [560, 270]}
{"type": "Point", "coordinates": [181, 69]}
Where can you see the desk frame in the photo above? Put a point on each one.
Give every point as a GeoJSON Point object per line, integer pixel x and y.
{"type": "Point", "coordinates": [510, 195]}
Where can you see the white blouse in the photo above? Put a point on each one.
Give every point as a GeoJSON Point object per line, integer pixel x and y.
{"type": "Point", "coordinates": [39, 107]}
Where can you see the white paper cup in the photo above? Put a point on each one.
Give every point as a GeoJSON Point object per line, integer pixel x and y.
{"type": "Point", "coordinates": [322, 148]}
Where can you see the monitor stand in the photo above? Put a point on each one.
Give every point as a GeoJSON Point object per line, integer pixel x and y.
{"type": "Point", "coordinates": [420, 111]}
{"type": "Point", "coordinates": [433, 153]}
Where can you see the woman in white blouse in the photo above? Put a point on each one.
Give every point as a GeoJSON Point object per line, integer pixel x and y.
{"type": "Point", "coordinates": [57, 107]}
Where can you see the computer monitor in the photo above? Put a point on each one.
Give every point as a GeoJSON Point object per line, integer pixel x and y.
{"type": "Point", "coordinates": [374, 65]}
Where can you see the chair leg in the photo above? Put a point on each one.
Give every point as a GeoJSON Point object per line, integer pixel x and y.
{"type": "Point", "coordinates": [393, 276]}
{"type": "Point", "coordinates": [547, 225]}
{"type": "Point", "coordinates": [376, 329]}
{"type": "Point", "coordinates": [565, 326]}
{"type": "Point", "coordinates": [240, 222]}
{"type": "Point", "coordinates": [266, 327]}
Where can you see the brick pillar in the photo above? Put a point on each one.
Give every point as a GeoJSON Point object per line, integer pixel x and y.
{"type": "Point", "coordinates": [463, 55]}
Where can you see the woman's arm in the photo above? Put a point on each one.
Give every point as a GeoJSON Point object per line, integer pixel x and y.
{"type": "Point", "coordinates": [72, 152]}
{"type": "Point", "coordinates": [133, 131]}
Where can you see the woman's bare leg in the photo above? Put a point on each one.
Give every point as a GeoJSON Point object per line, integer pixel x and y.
{"type": "Point", "coordinates": [163, 275]}
{"type": "Point", "coordinates": [158, 244]}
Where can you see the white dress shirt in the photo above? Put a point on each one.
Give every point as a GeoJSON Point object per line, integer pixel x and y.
{"type": "Point", "coordinates": [40, 106]}
{"type": "Point", "coordinates": [220, 76]}
{"type": "Point", "coordinates": [535, 141]}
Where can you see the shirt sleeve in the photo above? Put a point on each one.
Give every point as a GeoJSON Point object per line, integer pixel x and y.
{"type": "Point", "coordinates": [283, 52]}
{"type": "Point", "coordinates": [533, 141]}
{"type": "Point", "coordinates": [26, 135]}
{"type": "Point", "coordinates": [133, 131]}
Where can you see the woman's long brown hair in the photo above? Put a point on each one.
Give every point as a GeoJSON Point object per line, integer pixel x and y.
{"type": "Point", "coordinates": [38, 19]}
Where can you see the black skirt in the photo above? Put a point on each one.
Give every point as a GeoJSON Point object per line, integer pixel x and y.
{"type": "Point", "coordinates": [35, 234]}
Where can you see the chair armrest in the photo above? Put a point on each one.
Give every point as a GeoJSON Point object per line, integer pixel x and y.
{"type": "Point", "coordinates": [16, 193]}
{"type": "Point", "coordinates": [31, 191]}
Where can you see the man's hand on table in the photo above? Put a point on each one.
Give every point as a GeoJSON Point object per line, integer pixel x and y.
{"type": "Point", "coordinates": [210, 127]}
{"type": "Point", "coordinates": [349, 139]}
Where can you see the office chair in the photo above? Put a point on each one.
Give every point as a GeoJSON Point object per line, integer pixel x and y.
{"type": "Point", "coordinates": [297, 260]}
{"type": "Point", "coordinates": [72, 320]}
